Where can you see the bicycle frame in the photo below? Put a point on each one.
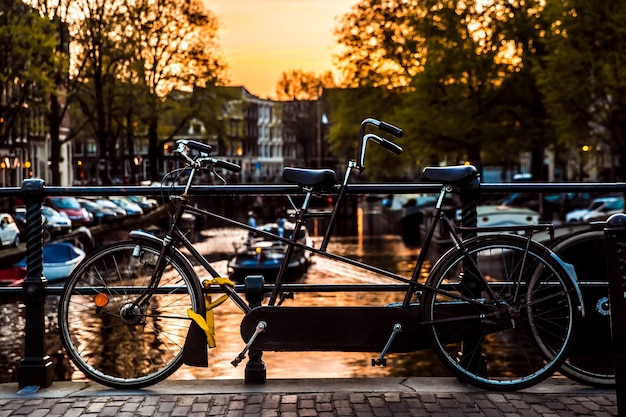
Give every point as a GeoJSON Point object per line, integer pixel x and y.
{"type": "Point", "coordinates": [176, 235]}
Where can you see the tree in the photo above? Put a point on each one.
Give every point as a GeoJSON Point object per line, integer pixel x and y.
{"type": "Point", "coordinates": [177, 49]}
{"type": "Point", "coordinates": [301, 85]}
{"type": "Point", "coordinates": [102, 54]}
{"type": "Point", "coordinates": [27, 45]}
{"type": "Point", "coordinates": [583, 77]}
{"type": "Point", "coordinates": [134, 53]}
{"type": "Point", "coordinates": [461, 68]}
{"type": "Point", "coordinates": [59, 99]}
{"type": "Point", "coordinates": [346, 109]}
{"type": "Point", "coordinates": [379, 46]}
{"type": "Point", "coordinates": [476, 95]}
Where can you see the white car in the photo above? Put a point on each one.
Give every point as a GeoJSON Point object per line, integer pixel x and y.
{"type": "Point", "coordinates": [54, 223]}
{"type": "Point", "coordinates": [132, 209]}
{"type": "Point", "coordinates": [9, 232]}
{"type": "Point", "coordinates": [599, 209]}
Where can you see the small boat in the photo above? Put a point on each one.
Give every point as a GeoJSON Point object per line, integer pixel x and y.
{"type": "Point", "coordinates": [59, 260]}
{"type": "Point", "coordinates": [261, 255]}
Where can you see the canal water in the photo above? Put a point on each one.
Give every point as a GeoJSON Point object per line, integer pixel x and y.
{"type": "Point", "coordinates": [386, 251]}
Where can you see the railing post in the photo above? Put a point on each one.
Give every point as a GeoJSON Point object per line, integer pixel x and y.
{"type": "Point", "coordinates": [35, 367]}
{"type": "Point", "coordinates": [615, 234]}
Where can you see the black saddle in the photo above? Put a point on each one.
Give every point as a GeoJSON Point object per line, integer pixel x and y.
{"type": "Point", "coordinates": [456, 175]}
{"type": "Point", "coordinates": [318, 179]}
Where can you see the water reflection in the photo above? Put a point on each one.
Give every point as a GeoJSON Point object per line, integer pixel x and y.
{"type": "Point", "coordinates": [386, 252]}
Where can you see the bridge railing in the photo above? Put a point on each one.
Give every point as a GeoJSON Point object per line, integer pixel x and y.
{"type": "Point", "coordinates": [35, 368]}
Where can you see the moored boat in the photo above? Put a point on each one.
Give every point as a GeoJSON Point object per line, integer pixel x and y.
{"type": "Point", "coordinates": [59, 260]}
{"type": "Point", "coordinates": [262, 255]}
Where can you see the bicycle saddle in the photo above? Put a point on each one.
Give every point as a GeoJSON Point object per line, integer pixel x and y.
{"type": "Point", "coordinates": [317, 178]}
{"type": "Point", "coordinates": [452, 175]}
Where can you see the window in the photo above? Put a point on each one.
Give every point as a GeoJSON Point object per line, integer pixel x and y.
{"type": "Point", "coordinates": [92, 148]}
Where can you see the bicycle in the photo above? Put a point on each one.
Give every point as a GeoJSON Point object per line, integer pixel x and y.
{"type": "Point", "coordinates": [591, 359]}
{"type": "Point", "coordinates": [499, 310]}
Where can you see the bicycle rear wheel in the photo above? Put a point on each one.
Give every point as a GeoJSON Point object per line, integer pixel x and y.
{"type": "Point", "coordinates": [511, 335]}
{"type": "Point", "coordinates": [110, 340]}
{"type": "Point", "coordinates": [591, 359]}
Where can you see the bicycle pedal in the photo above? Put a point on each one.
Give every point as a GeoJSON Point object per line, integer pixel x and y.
{"type": "Point", "coordinates": [379, 362]}
{"type": "Point", "coordinates": [260, 328]}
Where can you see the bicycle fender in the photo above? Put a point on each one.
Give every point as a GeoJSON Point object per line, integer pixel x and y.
{"type": "Point", "coordinates": [571, 271]}
{"type": "Point", "coordinates": [195, 352]}
{"type": "Point", "coordinates": [141, 236]}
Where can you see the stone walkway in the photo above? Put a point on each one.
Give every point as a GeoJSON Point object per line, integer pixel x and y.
{"type": "Point", "coordinates": [379, 397]}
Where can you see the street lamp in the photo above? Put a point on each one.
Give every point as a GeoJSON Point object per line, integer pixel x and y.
{"type": "Point", "coordinates": [138, 161]}
{"type": "Point", "coordinates": [583, 152]}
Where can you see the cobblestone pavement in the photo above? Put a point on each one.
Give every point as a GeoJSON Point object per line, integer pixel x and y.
{"type": "Point", "coordinates": [379, 398]}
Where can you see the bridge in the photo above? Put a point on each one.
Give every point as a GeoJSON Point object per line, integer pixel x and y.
{"type": "Point", "coordinates": [35, 367]}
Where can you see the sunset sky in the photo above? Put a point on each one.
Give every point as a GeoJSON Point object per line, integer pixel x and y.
{"type": "Point", "coordinates": [261, 39]}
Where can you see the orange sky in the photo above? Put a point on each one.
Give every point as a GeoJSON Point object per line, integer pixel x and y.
{"type": "Point", "coordinates": [261, 39]}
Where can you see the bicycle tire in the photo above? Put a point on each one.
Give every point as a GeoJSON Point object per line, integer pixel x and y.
{"type": "Point", "coordinates": [500, 344]}
{"type": "Point", "coordinates": [141, 347]}
{"type": "Point", "coordinates": [591, 359]}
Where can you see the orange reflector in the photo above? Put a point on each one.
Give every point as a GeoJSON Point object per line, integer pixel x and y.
{"type": "Point", "coordinates": [101, 300]}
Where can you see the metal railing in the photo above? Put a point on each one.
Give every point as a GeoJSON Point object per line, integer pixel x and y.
{"type": "Point", "coordinates": [35, 368]}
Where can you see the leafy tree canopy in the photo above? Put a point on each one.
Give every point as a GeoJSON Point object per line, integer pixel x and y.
{"type": "Point", "coordinates": [302, 85]}
{"type": "Point", "coordinates": [27, 46]}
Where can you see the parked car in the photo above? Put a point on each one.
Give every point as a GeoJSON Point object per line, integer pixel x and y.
{"type": "Point", "coordinates": [599, 209]}
{"type": "Point", "coordinates": [132, 209]}
{"type": "Point", "coordinates": [105, 202]}
{"type": "Point", "coordinates": [71, 207]}
{"type": "Point", "coordinates": [19, 215]}
{"type": "Point", "coordinates": [9, 232]}
{"type": "Point", "coordinates": [146, 204]}
{"type": "Point", "coordinates": [100, 214]}
{"type": "Point", "coordinates": [54, 223]}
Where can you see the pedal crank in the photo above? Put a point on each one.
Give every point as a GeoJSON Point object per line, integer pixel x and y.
{"type": "Point", "coordinates": [381, 361]}
{"type": "Point", "coordinates": [260, 328]}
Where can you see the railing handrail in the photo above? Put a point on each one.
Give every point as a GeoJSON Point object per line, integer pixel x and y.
{"type": "Point", "coordinates": [281, 189]}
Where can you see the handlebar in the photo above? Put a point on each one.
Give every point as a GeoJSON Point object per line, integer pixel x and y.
{"type": "Point", "coordinates": [204, 158]}
{"type": "Point", "coordinates": [387, 144]}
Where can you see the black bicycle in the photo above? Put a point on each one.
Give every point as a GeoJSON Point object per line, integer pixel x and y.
{"type": "Point", "coordinates": [499, 309]}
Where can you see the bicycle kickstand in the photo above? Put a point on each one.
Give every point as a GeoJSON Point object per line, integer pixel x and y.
{"type": "Point", "coordinates": [260, 328]}
{"type": "Point", "coordinates": [381, 361]}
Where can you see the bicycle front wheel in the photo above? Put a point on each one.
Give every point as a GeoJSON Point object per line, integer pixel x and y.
{"type": "Point", "coordinates": [500, 316]}
{"type": "Point", "coordinates": [107, 336]}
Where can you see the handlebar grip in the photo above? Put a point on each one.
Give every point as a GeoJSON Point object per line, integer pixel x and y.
{"type": "Point", "coordinates": [227, 165]}
{"type": "Point", "coordinates": [198, 146]}
{"type": "Point", "coordinates": [391, 129]}
{"type": "Point", "coordinates": [390, 146]}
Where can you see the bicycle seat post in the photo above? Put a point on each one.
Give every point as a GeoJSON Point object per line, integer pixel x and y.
{"type": "Point", "coordinates": [333, 216]}
{"type": "Point", "coordinates": [299, 221]}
